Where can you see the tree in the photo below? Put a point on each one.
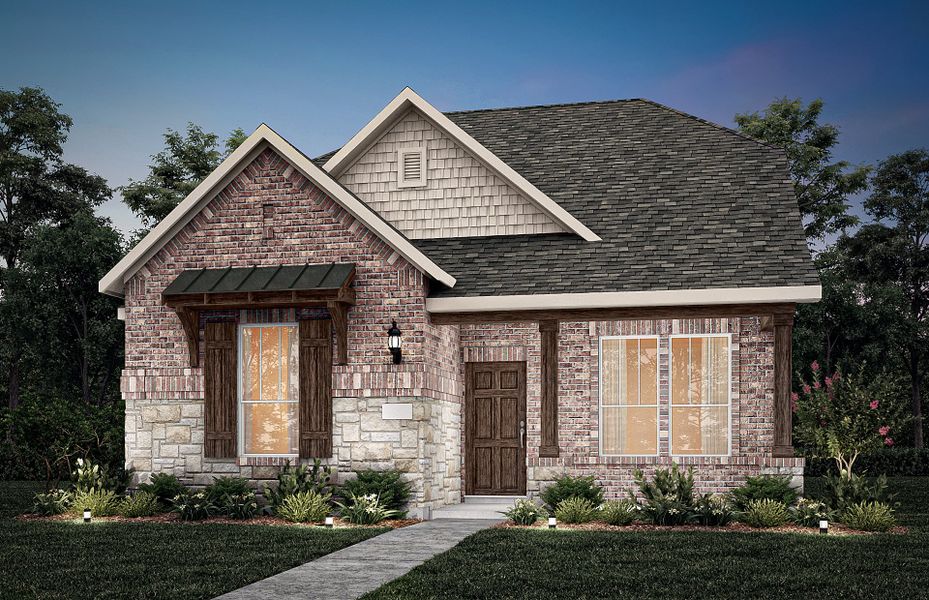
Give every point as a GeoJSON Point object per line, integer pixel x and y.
{"type": "Point", "coordinates": [188, 157]}
{"type": "Point", "coordinates": [822, 186]}
{"type": "Point", "coordinates": [891, 259]}
{"type": "Point", "coordinates": [36, 188]}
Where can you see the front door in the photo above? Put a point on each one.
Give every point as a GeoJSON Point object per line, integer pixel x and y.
{"type": "Point", "coordinates": [495, 421]}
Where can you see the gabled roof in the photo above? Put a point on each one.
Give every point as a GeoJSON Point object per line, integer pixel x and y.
{"type": "Point", "coordinates": [262, 138]}
{"type": "Point", "coordinates": [681, 204]}
{"type": "Point", "coordinates": [407, 100]}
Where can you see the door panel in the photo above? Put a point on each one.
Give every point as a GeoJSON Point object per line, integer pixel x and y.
{"type": "Point", "coordinates": [495, 411]}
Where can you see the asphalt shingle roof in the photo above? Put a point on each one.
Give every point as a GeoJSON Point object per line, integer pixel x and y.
{"type": "Point", "coordinates": [679, 202]}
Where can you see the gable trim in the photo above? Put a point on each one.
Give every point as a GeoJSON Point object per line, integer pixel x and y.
{"type": "Point", "coordinates": [263, 137]}
{"type": "Point", "coordinates": [370, 133]}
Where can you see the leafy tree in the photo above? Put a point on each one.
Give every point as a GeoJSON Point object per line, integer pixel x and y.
{"type": "Point", "coordinates": [36, 188]}
{"type": "Point", "coordinates": [822, 186]}
{"type": "Point", "coordinates": [188, 157]}
{"type": "Point", "coordinates": [891, 259]}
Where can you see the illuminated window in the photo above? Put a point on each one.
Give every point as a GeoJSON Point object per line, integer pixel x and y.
{"type": "Point", "coordinates": [700, 395]}
{"type": "Point", "coordinates": [268, 391]}
{"type": "Point", "coordinates": [629, 396]}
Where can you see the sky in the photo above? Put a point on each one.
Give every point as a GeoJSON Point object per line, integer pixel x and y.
{"type": "Point", "coordinates": [317, 72]}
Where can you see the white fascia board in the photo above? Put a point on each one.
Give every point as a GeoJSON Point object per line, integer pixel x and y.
{"type": "Point", "coordinates": [346, 155]}
{"type": "Point", "coordinates": [717, 296]}
{"type": "Point", "coordinates": [112, 283]}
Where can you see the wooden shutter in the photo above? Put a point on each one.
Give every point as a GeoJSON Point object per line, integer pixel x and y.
{"type": "Point", "coordinates": [219, 380]}
{"type": "Point", "coordinates": [316, 389]}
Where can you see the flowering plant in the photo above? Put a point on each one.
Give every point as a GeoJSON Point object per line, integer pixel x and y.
{"type": "Point", "coordinates": [840, 417]}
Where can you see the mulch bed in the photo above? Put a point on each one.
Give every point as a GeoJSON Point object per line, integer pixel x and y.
{"type": "Point", "coordinates": [834, 529]}
{"type": "Point", "coordinates": [259, 520]}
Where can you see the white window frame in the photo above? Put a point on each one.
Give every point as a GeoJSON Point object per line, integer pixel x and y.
{"type": "Point", "coordinates": [411, 183]}
{"type": "Point", "coordinates": [657, 406]}
{"type": "Point", "coordinates": [240, 414]}
{"type": "Point", "coordinates": [671, 404]}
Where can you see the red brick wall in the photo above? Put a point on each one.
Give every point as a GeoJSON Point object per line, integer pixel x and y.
{"type": "Point", "coordinates": [578, 398]}
{"type": "Point", "coordinates": [306, 227]}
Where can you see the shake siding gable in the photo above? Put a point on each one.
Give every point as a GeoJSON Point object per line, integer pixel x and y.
{"type": "Point", "coordinates": [461, 196]}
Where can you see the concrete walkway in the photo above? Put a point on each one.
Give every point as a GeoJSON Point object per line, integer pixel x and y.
{"type": "Point", "coordinates": [351, 572]}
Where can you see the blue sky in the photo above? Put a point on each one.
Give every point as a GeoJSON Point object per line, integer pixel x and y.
{"type": "Point", "coordinates": [316, 72]}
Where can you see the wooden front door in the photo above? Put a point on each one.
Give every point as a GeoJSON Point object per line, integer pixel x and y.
{"type": "Point", "coordinates": [495, 420]}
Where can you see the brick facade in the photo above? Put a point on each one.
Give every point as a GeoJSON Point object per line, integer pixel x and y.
{"type": "Point", "coordinates": [270, 215]}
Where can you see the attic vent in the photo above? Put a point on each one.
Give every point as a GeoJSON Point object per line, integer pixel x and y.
{"type": "Point", "coordinates": [411, 165]}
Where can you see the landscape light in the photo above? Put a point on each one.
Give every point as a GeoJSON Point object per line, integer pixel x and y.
{"type": "Point", "coordinates": [824, 527]}
{"type": "Point", "coordinates": [552, 522]}
{"type": "Point", "coordinates": [87, 515]}
{"type": "Point", "coordinates": [329, 522]}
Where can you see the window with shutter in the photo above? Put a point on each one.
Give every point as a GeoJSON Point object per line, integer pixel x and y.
{"type": "Point", "coordinates": [219, 380]}
{"type": "Point", "coordinates": [411, 166]}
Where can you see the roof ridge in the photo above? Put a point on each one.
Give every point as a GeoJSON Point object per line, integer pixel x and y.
{"type": "Point", "coordinates": [735, 132]}
{"type": "Point", "coordinates": [556, 105]}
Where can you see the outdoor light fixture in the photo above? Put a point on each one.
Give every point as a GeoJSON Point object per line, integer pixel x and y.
{"type": "Point", "coordinates": [552, 521]}
{"type": "Point", "coordinates": [329, 522]}
{"type": "Point", "coordinates": [87, 515]}
{"type": "Point", "coordinates": [824, 527]}
{"type": "Point", "coordinates": [393, 342]}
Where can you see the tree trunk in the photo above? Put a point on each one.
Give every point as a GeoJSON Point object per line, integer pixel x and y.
{"type": "Point", "coordinates": [916, 400]}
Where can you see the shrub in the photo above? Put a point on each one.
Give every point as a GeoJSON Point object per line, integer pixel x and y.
{"type": "Point", "coordinates": [765, 487]}
{"type": "Point", "coordinates": [305, 507]}
{"type": "Point", "coordinates": [869, 516]}
{"type": "Point", "coordinates": [163, 486]}
{"type": "Point", "coordinates": [238, 506]}
{"type": "Point", "coordinates": [294, 479]}
{"type": "Point", "coordinates": [573, 487]}
{"type": "Point", "coordinates": [575, 510]}
{"type": "Point", "coordinates": [140, 504]}
{"type": "Point", "coordinates": [388, 485]}
{"type": "Point", "coordinates": [765, 513]}
{"type": "Point", "coordinates": [809, 512]}
{"type": "Point", "coordinates": [669, 498]}
{"type": "Point", "coordinates": [364, 510]}
{"type": "Point", "coordinates": [221, 487]}
{"type": "Point", "coordinates": [525, 512]}
{"type": "Point", "coordinates": [842, 491]}
{"type": "Point", "coordinates": [52, 502]}
{"type": "Point", "coordinates": [102, 503]}
{"type": "Point", "coordinates": [88, 477]}
{"type": "Point", "coordinates": [193, 507]}
{"type": "Point", "coordinates": [713, 510]}
{"type": "Point", "coordinates": [618, 512]}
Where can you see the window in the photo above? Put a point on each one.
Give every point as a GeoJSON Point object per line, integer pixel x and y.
{"type": "Point", "coordinates": [700, 394]}
{"type": "Point", "coordinates": [411, 167]}
{"type": "Point", "coordinates": [268, 392]}
{"type": "Point", "coordinates": [629, 396]}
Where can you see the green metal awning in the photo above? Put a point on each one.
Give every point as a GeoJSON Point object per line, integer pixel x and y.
{"type": "Point", "coordinates": [283, 278]}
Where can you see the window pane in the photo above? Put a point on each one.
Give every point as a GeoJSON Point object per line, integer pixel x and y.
{"type": "Point", "coordinates": [629, 370]}
{"type": "Point", "coordinates": [292, 369]}
{"type": "Point", "coordinates": [630, 430]}
{"type": "Point", "coordinates": [270, 363]}
{"type": "Point", "coordinates": [680, 370]}
{"type": "Point", "coordinates": [251, 351]}
{"type": "Point", "coordinates": [270, 427]}
{"type": "Point", "coordinates": [700, 430]}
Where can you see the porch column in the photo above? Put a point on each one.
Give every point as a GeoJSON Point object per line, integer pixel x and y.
{"type": "Point", "coordinates": [549, 410]}
{"type": "Point", "coordinates": [783, 424]}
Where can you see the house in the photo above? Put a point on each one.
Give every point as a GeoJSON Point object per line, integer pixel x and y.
{"type": "Point", "coordinates": [580, 288]}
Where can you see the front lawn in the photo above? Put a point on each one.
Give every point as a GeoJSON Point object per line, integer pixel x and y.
{"type": "Point", "coordinates": [523, 563]}
{"type": "Point", "coordinates": [71, 559]}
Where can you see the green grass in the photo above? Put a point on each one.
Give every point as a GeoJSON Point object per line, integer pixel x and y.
{"type": "Point", "coordinates": [514, 563]}
{"type": "Point", "coordinates": [59, 560]}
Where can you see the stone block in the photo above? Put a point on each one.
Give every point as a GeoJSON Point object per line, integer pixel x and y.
{"type": "Point", "coordinates": [166, 413]}
{"type": "Point", "coordinates": [177, 434]}
{"type": "Point", "coordinates": [192, 411]}
{"type": "Point", "coordinates": [385, 436]}
{"type": "Point", "coordinates": [409, 438]}
{"type": "Point", "coordinates": [373, 451]}
{"type": "Point", "coordinates": [351, 433]}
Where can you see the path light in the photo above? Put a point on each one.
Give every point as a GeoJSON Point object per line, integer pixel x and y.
{"type": "Point", "coordinates": [393, 343]}
{"type": "Point", "coordinates": [329, 522]}
{"type": "Point", "coordinates": [552, 522]}
{"type": "Point", "coordinates": [87, 515]}
{"type": "Point", "coordinates": [824, 527]}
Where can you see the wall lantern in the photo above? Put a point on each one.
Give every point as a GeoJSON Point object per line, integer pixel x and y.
{"type": "Point", "coordinates": [393, 343]}
{"type": "Point", "coordinates": [552, 522]}
{"type": "Point", "coordinates": [87, 515]}
{"type": "Point", "coordinates": [329, 522]}
{"type": "Point", "coordinates": [824, 527]}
